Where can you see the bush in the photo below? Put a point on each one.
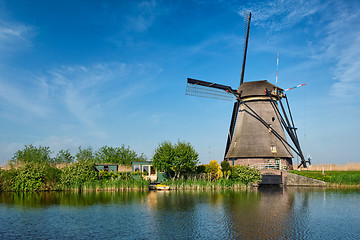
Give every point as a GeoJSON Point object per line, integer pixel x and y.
{"type": "Point", "coordinates": [75, 175]}
{"type": "Point", "coordinates": [200, 168]}
{"type": "Point", "coordinates": [35, 176]}
{"type": "Point", "coordinates": [7, 179]}
{"type": "Point", "coordinates": [245, 174]}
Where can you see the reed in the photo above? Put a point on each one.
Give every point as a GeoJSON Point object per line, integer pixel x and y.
{"type": "Point", "coordinates": [202, 182]}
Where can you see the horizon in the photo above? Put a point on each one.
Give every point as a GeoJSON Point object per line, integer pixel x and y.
{"type": "Point", "coordinates": [113, 73]}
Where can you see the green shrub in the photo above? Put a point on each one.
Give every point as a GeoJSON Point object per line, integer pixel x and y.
{"type": "Point", "coordinates": [35, 176]}
{"type": "Point", "coordinates": [76, 174]}
{"type": "Point", "coordinates": [200, 168]}
{"type": "Point", "coordinates": [245, 174]}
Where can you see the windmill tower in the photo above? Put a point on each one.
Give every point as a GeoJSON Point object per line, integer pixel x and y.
{"type": "Point", "coordinates": [256, 134]}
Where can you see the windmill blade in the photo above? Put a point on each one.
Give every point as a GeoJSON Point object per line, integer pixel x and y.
{"type": "Point", "coordinates": [200, 88]}
{"type": "Point", "coordinates": [247, 19]}
{"type": "Point", "coordinates": [232, 125]}
{"type": "Point", "coordinates": [295, 87]}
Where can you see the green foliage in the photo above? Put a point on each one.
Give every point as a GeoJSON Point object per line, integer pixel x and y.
{"type": "Point", "coordinates": [201, 182]}
{"type": "Point", "coordinates": [33, 176]}
{"type": "Point", "coordinates": [225, 166]}
{"type": "Point", "coordinates": [200, 168]}
{"type": "Point", "coordinates": [334, 177]}
{"type": "Point", "coordinates": [86, 154]}
{"type": "Point", "coordinates": [64, 156]}
{"type": "Point", "coordinates": [75, 175]}
{"type": "Point", "coordinates": [185, 158]}
{"type": "Point", "coordinates": [164, 156]}
{"type": "Point", "coordinates": [7, 179]}
{"type": "Point", "coordinates": [178, 158]}
{"type": "Point", "coordinates": [119, 155]}
{"type": "Point", "coordinates": [32, 154]}
{"type": "Point", "coordinates": [226, 169]}
{"type": "Point", "coordinates": [245, 174]}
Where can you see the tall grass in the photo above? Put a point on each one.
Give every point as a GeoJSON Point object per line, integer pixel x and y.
{"type": "Point", "coordinates": [202, 183]}
{"type": "Point", "coordinates": [334, 177]}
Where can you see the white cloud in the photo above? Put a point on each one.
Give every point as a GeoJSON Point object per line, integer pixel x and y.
{"type": "Point", "coordinates": [279, 15]}
{"type": "Point", "coordinates": [145, 15]}
{"type": "Point", "coordinates": [347, 74]}
{"type": "Point", "coordinates": [335, 36]}
{"type": "Point", "coordinates": [13, 96]}
{"type": "Point", "coordinates": [14, 36]}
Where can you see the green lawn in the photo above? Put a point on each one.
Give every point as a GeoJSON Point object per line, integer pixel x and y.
{"type": "Point", "coordinates": [336, 177]}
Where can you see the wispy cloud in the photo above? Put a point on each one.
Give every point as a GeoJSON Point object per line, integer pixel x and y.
{"type": "Point", "coordinates": [145, 16]}
{"type": "Point", "coordinates": [82, 93]}
{"type": "Point", "coordinates": [279, 15]}
{"type": "Point", "coordinates": [87, 91]}
{"type": "Point", "coordinates": [14, 36]}
{"type": "Point", "coordinates": [336, 35]}
{"type": "Point", "coordinates": [140, 17]}
{"type": "Point", "coordinates": [347, 74]}
{"type": "Point", "coordinates": [15, 96]}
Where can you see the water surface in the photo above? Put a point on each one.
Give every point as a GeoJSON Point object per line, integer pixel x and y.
{"type": "Point", "coordinates": [276, 213]}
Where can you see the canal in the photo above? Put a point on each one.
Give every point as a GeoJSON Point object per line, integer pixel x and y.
{"type": "Point", "coordinates": [269, 213]}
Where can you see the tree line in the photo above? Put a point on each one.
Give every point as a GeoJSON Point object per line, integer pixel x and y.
{"type": "Point", "coordinates": [38, 169]}
{"type": "Point", "coordinates": [117, 155]}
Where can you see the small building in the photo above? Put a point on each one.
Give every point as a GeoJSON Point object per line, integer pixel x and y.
{"type": "Point", "coordinates": [149, 171]}
{"type": "Point", "coordinates": [145, 167]}
{"type": "Point", "coordinates": [106, 167]}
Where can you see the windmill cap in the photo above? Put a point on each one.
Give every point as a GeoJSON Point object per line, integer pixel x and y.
{"type": "Point", "coordinates": [256, 88]}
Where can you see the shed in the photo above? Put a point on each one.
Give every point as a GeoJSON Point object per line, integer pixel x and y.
{"type": "Point", "coordinates": [106, 167]}
{"type": "Point", "coordinates": [148, 170]}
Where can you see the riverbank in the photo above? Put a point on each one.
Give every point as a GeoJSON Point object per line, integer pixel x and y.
{"type": "Point", "coordinates": [333, 178]}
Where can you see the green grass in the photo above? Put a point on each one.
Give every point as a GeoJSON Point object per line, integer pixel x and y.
{"type": "Point", "coordinates": [203, 184]}
{"type": "Point", "coordinates": [334, 177]}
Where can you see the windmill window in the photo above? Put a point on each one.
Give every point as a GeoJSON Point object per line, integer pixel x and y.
{"type": "Point", "coordinates": [273, 119]}
{"type": "Point", "coordinates": [273, 149]}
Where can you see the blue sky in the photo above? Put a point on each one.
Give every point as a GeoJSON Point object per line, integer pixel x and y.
{"type": "Point", "coordinates": [95, 73]}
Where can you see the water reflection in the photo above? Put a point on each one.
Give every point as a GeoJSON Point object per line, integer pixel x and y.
{"type": "Point", "coordinates": [274, 213]}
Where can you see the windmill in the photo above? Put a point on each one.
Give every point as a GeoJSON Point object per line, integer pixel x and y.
{"type": "Point", "coordinates": [256, 134]}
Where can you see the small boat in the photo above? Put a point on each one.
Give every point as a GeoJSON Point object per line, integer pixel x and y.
{"type": "Point", "coordinates": [162, 187]}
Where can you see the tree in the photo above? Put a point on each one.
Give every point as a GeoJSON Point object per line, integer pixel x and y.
{"type": "Point", "coordinates": [120, 155]}
{"type": "Point", "coordinates": [86, 154]}
{"type": "Point", "coordinates": [225, 168]}
{"type": "Point", "coordinates": [164, 156]}
{"type": "Point", "coordinates": [177, 158]}
{"type": "Point", "coordinates": [32, 154]}
{"type": "Point", "coordinates": [214, 170]}
{"type": "Point", "coordinates": [64, 156]}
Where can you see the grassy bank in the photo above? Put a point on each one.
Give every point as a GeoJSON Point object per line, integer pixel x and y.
{"type": "Point", "coordinates": [351, 178]}
{"type": "Point", "coordinates": [203, 184]}
{"type": "Point", "coordinates": [81, 176]}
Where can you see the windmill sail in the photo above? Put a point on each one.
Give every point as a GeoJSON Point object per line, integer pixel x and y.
{"type": "Point", "coordinates": [247, 18]}
{"type": "Point", "coordinates": [209, 90]}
